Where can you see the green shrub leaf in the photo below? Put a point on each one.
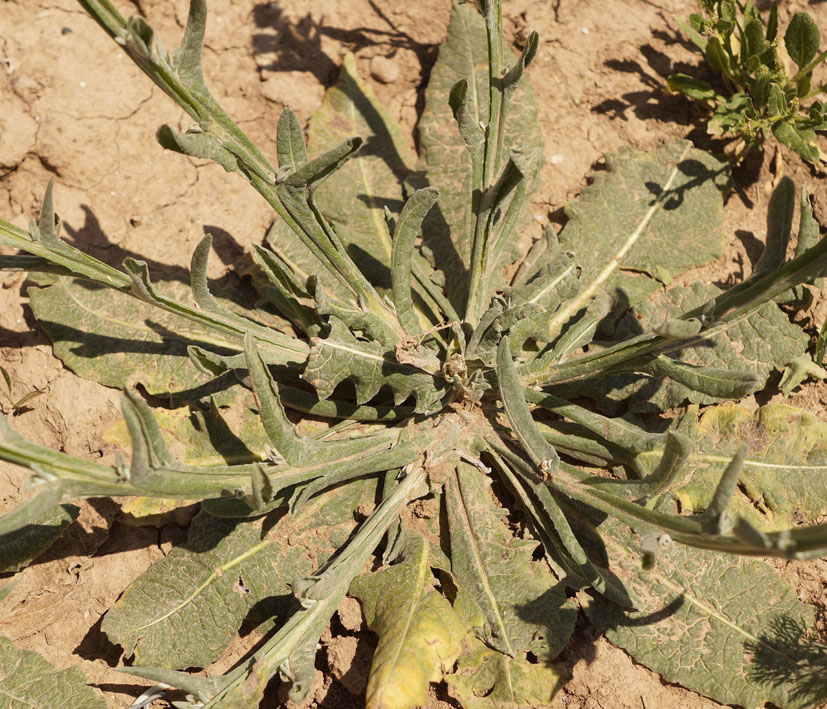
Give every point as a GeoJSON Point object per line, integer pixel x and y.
{"type": "Point", "coordinates": [802, 39]}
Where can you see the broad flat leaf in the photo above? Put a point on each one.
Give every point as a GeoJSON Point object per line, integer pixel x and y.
{"type": "Point", "coordinates": [765, 341]}
{"type": "Point", "coordinates": [420, 634]}
{"type": "Point", "coordinates": [800, 140]}
{"type": "Point", "coordinates": [18, 548]}
{"type": "Point", "coordinates": [802, 39]}
{"type": "Point", "coordinates": [119, 341]}
{"type": "Point", "coordinates": [27, 680]}
{"type": "Point", "coordinates": [340, 356]}
{"type": "Point", "coordinates": [463, 55]}
{"type": "Point", "coordinates": [354, 197]}
{"type": "Point", "coordinates": [201, 592]}
{"type": "Point", "coordinates": [684, 231]}
{"type": "Point", "coordinates": [707, 623]}
{"type": "Point", "coordinates": [524, 607]}
{"type": "Point", "coordinates": [487, 679]}
{"type": "Point", "coordinates": [785, 474]}
{"type": "Point", "coordinates": [205, 436]}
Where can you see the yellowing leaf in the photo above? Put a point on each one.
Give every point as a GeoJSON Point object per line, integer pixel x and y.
{"type": "Point", "coordinates": [487, 679]}
{"type": "Point", "coordinates": [785, 473]}
{"type": "Point", "coordinates": [420, 634]}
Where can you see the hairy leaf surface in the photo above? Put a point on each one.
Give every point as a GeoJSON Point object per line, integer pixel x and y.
{"type": "Point", "coordinates": [463, 55]}
{"type": "Point", "coordinates": [684, 231]}
{"type": "Point", "coordinates": [201, 592]}
{"type": "Point", "coordinates": [706, 618]}
{"type": "Point", "coordinates": [119, 341]}
{"type": "Point", "coordinates": [524, 607]}
{"type": "Point", "coordinates": [785, 472]}
{"type": "Point", "coordinates": [27, 680]}
{"type": "Point", "coordinates": [486, 679]}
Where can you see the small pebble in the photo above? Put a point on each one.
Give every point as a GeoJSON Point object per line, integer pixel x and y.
{"type": "Point", "coordinates": [65, 30]}
{"type": "Point", "coordinates": [384, 69]}
{"type": "Point", "coordinates": [556, 159]}
{"type": "Point", "coordinates": [585, 30]}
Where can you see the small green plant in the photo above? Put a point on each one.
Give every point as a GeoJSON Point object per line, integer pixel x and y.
{"type": "Point", "coordinates": [763, 97]}
{"type": "Point", "coordinates": [396, 302]}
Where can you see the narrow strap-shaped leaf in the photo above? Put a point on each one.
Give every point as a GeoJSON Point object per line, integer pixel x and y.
{"type": "Point", "coordinates": [554, 524]}
{"type": "Point", "coordinates": [315, 170]}
{"type": "Point", "coordinates": [188, 54]}
{"type": "Point", "coordinates": [715, 516]}
{"type": "Point", "coordinates": [279, 428]}
{"type": "Point", "coordinates": [676, 452]}
{"type": "Point", "coordinates": [290, 147]}
{"type": "Point", "coordinates": [515, 73]}
{"type": "Point", "coordinates": [779, 226]}
{"type": "Point", "coordinates": [197, 145]}
{"type": "Point", "coordinates": [469, 129]}
{"type": "Point", "coordinates": [149, 450]}
{"type": "Point", "coordinates": [201, 687]}
{"type": "Point", "coordinates": [198, 277]}
{"type": "Point", "coordinates": [614, 430]}
{"type": "Point", "coordinates": [408, 226]}
{"type": "Point", "coordinates": [47, 496]}
{"type": "Point", "coordinates": [296, 450]}
{"type": "Point", "coordinates": [540, 451]}
{"type": "Point", "coordinates": [19, 548]}
{"type": "Point", "coordinates": [261, 489]}
{"type": "Point", "coordinates": [720, 383]}
{"type": "Point", "coordinates": [808, 228]}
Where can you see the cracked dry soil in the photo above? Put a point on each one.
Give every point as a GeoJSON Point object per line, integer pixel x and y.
{"type": "Point", "coordinates": [76, 110]}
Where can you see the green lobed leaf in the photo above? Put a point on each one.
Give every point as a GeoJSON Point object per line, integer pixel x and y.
{"type": "Point", "coordinates": [444, 157]}
{"type": "Point", "coordinates": [19, 547]}
{"type": "Point", "coordinates": [420, 633]}
{"type": "Point", "coordinates": [27, 680]}
{"type": "Point", "coordinates": [340, 356]}
{"type": "Point", "coordinates": [707, 618]}
{"type": "Point", "coordinates": [524, 607]}
{"type": "Point", "coordinates": [684, 232]}
{"type": "Point", "coordinates": [785, 472]}
{"type": "Point", "coordinates": [201, 592]}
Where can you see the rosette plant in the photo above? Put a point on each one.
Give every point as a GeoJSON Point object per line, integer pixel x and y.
{"type": "Point", "coordinates": [483, 468]}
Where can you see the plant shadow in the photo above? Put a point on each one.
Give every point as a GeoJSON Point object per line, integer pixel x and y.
{"type": "Point", "coordinates": [787, 649]}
